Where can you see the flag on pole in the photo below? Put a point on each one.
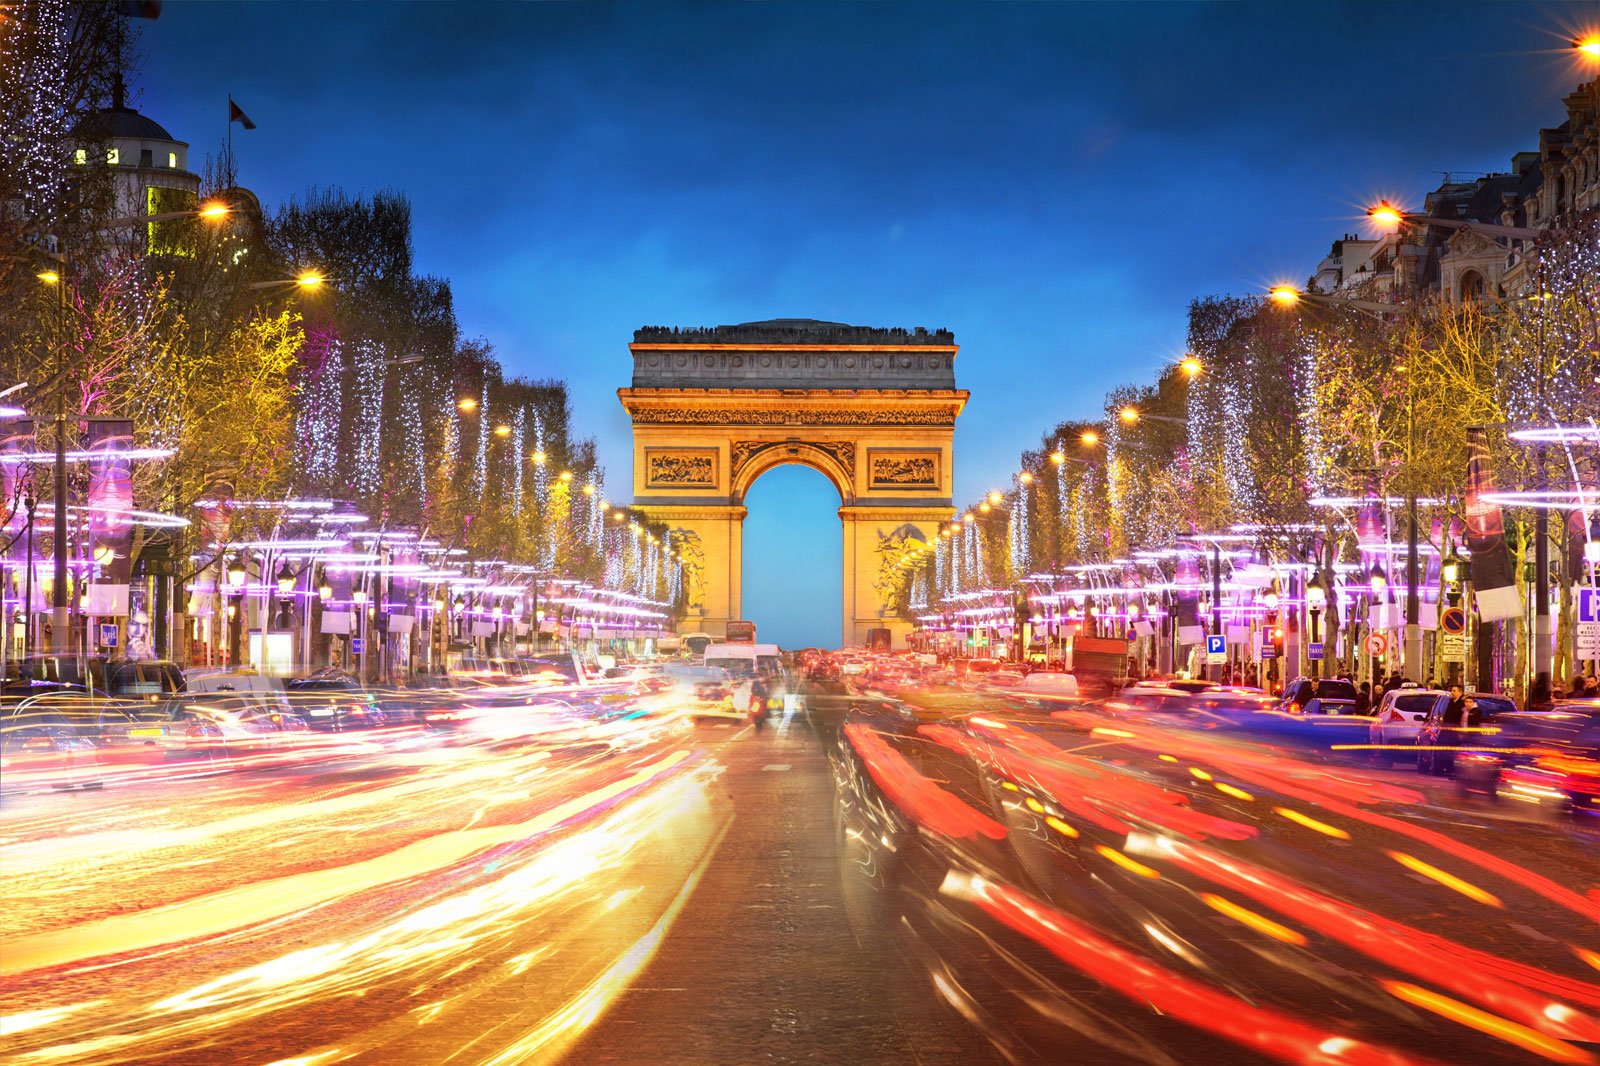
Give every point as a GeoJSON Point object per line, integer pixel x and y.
{"type": "Point", "coordinates": [236, 114]}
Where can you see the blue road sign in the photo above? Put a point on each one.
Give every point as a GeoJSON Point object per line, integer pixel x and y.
{"type": "Point", "coordinates": [1589, 605]}
{"type": "Point", "coordinates": [1216, 644]}
{"type": "Point", "coordinates": [108, 634]}
{"type": "Point", "coordinates": [1314, 651]}
{"type": "Point", "coordinates": [355, 645]}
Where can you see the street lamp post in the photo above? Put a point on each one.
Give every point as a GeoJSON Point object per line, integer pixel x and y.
{"type": "Point", "coordinates": [1216, 602]}
{"type": "Point", "coordinates": [1316, 599]}
{"type": "Point", "coordinates": [1378, 582]}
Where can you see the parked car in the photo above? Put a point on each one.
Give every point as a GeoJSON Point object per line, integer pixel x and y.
{"type": "Point", "coordinates": [1397, 718]}
{"type": "Point", "coordinates": [148, 680]}
{"type": "Point", "coordinates": [1550, 758]}
{"type": "Point", "coordinates": [1302, 690]}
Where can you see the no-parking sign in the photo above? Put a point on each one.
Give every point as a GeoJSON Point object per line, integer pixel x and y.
{"type": "Point", "coordinates": [1377, 645]}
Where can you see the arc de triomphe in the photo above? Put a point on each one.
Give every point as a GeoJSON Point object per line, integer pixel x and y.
{"type": "Point", "coordinates": [873, 410]}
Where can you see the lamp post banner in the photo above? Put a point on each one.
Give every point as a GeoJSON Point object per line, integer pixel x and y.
{"type": "Point", "coordinates": [1577, 537]}
{"type": "Point", "coordinates": [15, 436]}
{"type": "Point", "coordinates": [1430, 579]}
{"type": "Point", "coordinates": [1486, 538]}
{"type": "Point", "coordinates": [1370, 530]}
{"type": "Point", "coordinates": [1187, 579]}
{"type": "Point", "coordinates": [111, 498]}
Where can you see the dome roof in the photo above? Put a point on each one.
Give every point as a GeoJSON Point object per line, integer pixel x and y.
{"type": "Point", "coordinates": [119, 122]}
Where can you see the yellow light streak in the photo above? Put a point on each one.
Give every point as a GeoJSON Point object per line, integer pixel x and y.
{"type": "Point", "coordinates": [1448, 880]}
{"type": "Point", "coordinates": [1236, 793]}
{"type": "Point", "coordinates": [1259, 923]}
{"type": "Point", "coordinates": [1544, 1046]}
{"type": "Point", "coordinates": [1126, 863]}
{"type": "Point", "coordinates": [1311, 823]}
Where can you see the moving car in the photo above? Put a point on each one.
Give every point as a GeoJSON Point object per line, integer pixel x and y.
{"type": "Point", "coordinates": [224, 725]}
{"type": "Point", "coordinates": [1444, 730]}
{"type": "Point", "coordinates": [332, 702]}
{"type": "Point", "coordinates": [65, 739]}
{"type": "Point", "coordinates": [1550, 758]}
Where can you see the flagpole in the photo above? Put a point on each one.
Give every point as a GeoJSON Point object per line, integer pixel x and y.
{"type": "Point", "coordinates": [228, 166]}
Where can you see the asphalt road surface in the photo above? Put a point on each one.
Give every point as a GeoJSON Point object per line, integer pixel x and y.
{"type": "Point", "coordinates": [930, 878]}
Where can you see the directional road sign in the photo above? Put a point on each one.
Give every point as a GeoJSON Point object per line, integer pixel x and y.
{"type": "Point", "coordinates": [1589, 605]}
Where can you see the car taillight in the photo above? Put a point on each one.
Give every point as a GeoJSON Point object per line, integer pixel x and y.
{"type": "Point", "coordinates": [1393, 716]}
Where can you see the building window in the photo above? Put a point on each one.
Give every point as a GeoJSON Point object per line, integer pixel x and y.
{"type": "Point", "coordinates": [113, 156]}
{"type": "Point", "coordinates": [80, 157]}
{"type": "Point", "coordinates": [172, 160]}
{"type": "Point", "coordinates": [147, 158]}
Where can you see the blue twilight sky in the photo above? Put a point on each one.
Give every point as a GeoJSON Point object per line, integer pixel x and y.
{"type": "Point", "coordinates": [1053, 182]}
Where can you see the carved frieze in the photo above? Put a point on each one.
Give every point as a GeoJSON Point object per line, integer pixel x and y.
{"type": "Point", "coordinates": [681, 468]}
{"type": "Point", "coordinates": [903, 469]}
{"type": "Point", "coordinates": [743, 451]}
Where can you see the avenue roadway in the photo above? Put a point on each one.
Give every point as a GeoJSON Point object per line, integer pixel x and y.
{"type": "Point", "coordinates": [935, 878]}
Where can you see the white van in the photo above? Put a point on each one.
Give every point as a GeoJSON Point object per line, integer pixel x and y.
{"type": "Point", "coordinates": [743, 662]}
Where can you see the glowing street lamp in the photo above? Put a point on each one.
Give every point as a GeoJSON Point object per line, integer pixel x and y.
{"type": "Point", "coordinates": [236, 573]}
{"type": "Point", "coordinates": [994, 499]}
{"type": "Point", "coordinates": [466, 405]}
{"type": "Point", "coordinates": [1377, 580]}
{"type": "Point", "coordinates": [1090, 437]}
{"type": "Point", "coordinates": [1191, 366]}
{"type": "Point", "coordinates": [1025, 477]}
{"type": "Point", "coordinates": [1588, 46]}
{"type": "Point", "coordinates": [566, 475]}
{"type": "Point", "coordinates": [1385, 214]}
{"type": "Point", "coordinates": [285, 580]}
{"type": "Point", "coordinates": [538, 458]}
{"type": "Point", "coordinates": [1058, 457]}
{"type": "Point", "coordinates": [502, 431]}
{"type": "Point", "coordinates": [1284, 295]}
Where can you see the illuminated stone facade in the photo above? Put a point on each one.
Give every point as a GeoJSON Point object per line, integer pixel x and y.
{"type": "Point", "coordinates": [873, 410]}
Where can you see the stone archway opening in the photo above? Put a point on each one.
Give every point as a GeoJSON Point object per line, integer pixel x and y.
{"type": "Point", "coordinates": [793, 558]}
{"type": "Point", "coordinates": [872, 409]}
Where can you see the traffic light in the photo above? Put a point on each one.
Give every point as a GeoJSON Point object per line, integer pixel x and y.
{"type": "Point", "coordinates": [1277, 639]}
